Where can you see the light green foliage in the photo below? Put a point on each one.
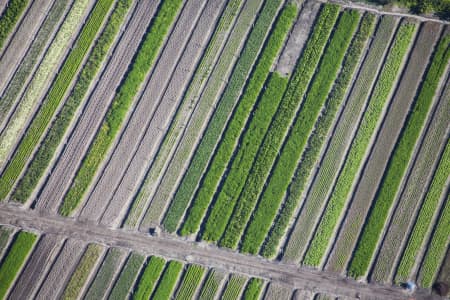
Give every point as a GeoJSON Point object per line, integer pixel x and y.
{"type": "Point", "coordinates": [253, 289]}
{"type": "Point", "coordinates": [15, 259]}
{"type": "Point", "coordinates": [168, 280]}
{"type": "Point", "coordinates": [191, 280]}
{"type": "Point", "coordinates": [234, 287]}
{"type": "Point", "coordinates": [149, 278]}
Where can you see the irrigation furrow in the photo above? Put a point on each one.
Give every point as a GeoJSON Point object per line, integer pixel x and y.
{"type": "Point", "coordinates": [425, 162]}
{"type": "Point", "coordinates": [188, 104]}
{"type": "Point", "coordinates": [199, 120]}
{"type": "Point", "coordinates": [92, 114]}
{"type": "Point", "coordinates": [21, 40]}
{"type": "Point", "coordinates": [59, 273]}
{"type": "Point", "coordinates": [163, 116]}
{"type": "Point", "coordinates": [37, 267]}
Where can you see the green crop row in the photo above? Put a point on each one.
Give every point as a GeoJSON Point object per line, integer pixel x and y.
{"type": "Point", "coordinates": [149, 278]}
{"type": "Point", "coordinates": [208, 101]}
{"type": "Point", "coordinates": [218, 121]}
{"type": "Point", "coordinates": [437, 248]}
{"type": "Point", "coordinates": [168, 280]}
{"type": "Point", "coordinates": [422, 226]}
{"type": "Point", "coordinates": [123, 286]}
{"type": "Point", "coordinates": [191, 280]}
{"type": "Point", "coordinates": [31, 57]}
{"type": "Point", "coordinates": [211, 285]}
{"type": "Point", "coordinates": [248, 148]}
{"type": "Point", "coordinates": [81, 274]}
{"type": "Point", "coordinates": [293, 148]}
{"type": "Point", "coordinates": [316, 141]}
{"type": "Point", "coordinates": [9, 18]}
{"type": "Point", "coordinates": [142, 62]}
{"type": "Point", "coordinates": [253, 289]}
{"type": "Point", "coordinates": [176, 129]}
{"type": "Point", "coordinates": [14, 259]}
{"type": "Point", "coordinates": [105, 274]}
{"type": "Point", "coordinates": [40, 79]}
{"type": "Point", "coordinates": [234, 287]}
{"type": "Point", "coordinates": [237, 122]}
{"type": "Point", "coordinates": [52, 101]}
{"type": "Point", "coordinates": [399, 160]}
{"type": "Point", "coordinates": [215, 224]}
{"type": "Point", "coordinates": [46, 150]}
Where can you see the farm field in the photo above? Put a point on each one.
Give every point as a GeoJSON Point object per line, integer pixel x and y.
{"type": "Point", "coordinates": [242, 149]}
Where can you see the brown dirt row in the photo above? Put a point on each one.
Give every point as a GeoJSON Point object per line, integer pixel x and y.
{"type": "Point", "coordinates": [153, 106]}
{"type": "Point", "coordinates": [276, 291]}
{"type": "Point", "coordinates": [297, 38]}
{"type": "Point", "coordinates": [62, 268]}
{"type": "Point", "coordinates": [197, 253]}
{"type": "Point", "coordinates": [9, 233]}
{"type": "Point", "coordinates": [43, 93]}
{"type": "Point", "coordinates": [381, 146]}
{"type": "Point", "coordinates": [196, 125]}
{"type": "Point", "coordinates": [32, 274]}
{"type": "Point", "coordinates": [424, 163]}
{"type": "Point", "coordinates": [162, 117]}
{"type": "Point", "coordinates": [92, 114]}
{"type": "Point", "coordinates": [23, 37]}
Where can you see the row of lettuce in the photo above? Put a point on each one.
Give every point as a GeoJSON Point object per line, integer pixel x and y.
{"type": "Point", "coordinates": [117, 274]}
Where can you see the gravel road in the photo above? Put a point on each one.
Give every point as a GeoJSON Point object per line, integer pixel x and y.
{"type": "Point", "coordinates": [200, 253]}
{"type": "Point", "coordinates": [93, 113]}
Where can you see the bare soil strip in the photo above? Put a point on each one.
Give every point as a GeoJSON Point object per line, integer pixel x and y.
{"type": "Point", "coordinates": [33, 273]}
{"type": "Point", "coordinates": [207, 255]}
{"type": "Point", "coordinates": [95, 109]}
{"type": "Point", "coordinates": [425, 163]}
{"type": "Point", "coordinates": [62, 268]}
{"type": "Point", "coordinates": [6, 235]}
{"type": "Point", "coordinates": [297, 38]}
{"type": "Point", "coordinates": [277, 291]}
{"type": "Point", "coordinates": [158, 126]}
{"type": "Point", "coordinates": [199, 120]}
{"type": "Point", "coordinates": [21, 40]}
{"type": "Point", "coordinates": [383, 144]}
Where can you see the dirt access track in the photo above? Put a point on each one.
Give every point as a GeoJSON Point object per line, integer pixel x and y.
{"type": "Point", "coordinates": [167, 246]}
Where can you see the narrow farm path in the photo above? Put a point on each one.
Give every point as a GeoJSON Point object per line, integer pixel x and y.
{"type": "Point", "coordinates": [211, 256]}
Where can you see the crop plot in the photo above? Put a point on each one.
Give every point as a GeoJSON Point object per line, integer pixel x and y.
{"type": "Point", "coordinates": [242, 149]}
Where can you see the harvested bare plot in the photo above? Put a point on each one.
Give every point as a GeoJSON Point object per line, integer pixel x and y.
{"type": "Point", "coordinates": [278, 291]}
